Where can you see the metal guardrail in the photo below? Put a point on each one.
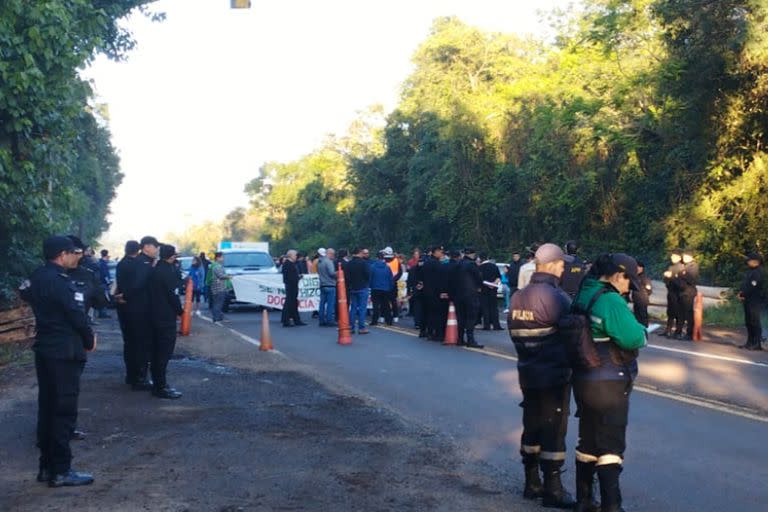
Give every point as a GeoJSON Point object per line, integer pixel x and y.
{"type": "Point", "coordinates": [17, 325]}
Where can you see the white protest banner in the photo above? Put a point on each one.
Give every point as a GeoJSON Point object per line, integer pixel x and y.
{"type": "Point", "coordinates": [269, 290]}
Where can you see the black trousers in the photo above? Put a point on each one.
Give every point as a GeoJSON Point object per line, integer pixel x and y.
{"type": "Point", "coordinates": [381, 306]}
{"type": "Point", "coordinates": [417, 310]}
{"type": "Point", "coordinates": [426, 315]}
{"type": "Point", "coordinates": [123, 322]}
{"type": "Point", "coordinates": [58, 382]}
{"type": "Point", "coordinates": [438, 316]}
{"type": "Point", "coordinates": [393, 305]}
{"type": "Point", "coordinates": [752, 310]}
{"type": "Point", "coordinates": [545, 421]}
{"type": "Point", "coordinates": [291, 305]}
{"type": "Point", "coordinates": [685, 314]}
{"type": "Point", "coordinates": [641, 311]}
{"type": "Point", "coordinates": [466, 314]}
{"type": "Point", "coordinates": [139, 345]}
{"type": "Point", "coordinates": [490, 309]}
{"type": "Point", "coordinates": [673, 311]}
{"type": "Point", "coordinates": [603, 412]}
{"type": "Point", "coordinates": [164, 341]}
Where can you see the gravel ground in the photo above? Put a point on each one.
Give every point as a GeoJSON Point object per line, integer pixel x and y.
{"type": "Point", "coordinates": [254, 431]}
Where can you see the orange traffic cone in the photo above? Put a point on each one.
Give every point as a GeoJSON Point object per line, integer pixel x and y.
{"type": "Point", "coordinates": [698, 316]}
{"type": "Point", "coordinates": [265, 343]}
{"type": "Point", "coordinates": [186, 317]}
{"type": "Point", "coordinates": [345, 336]}
{"type": "Point", "coordinates": [451, 327]}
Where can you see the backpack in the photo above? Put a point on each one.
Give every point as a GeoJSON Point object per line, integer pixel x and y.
{"type": "Point", "coordinates": [576, 329]}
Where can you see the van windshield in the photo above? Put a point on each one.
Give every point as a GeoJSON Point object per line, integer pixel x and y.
{"type": "Point", "coordinates": [247, 259]}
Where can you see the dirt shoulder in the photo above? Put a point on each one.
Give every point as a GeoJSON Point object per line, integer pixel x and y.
{"type": "Point", "coordinates": [253, 431]}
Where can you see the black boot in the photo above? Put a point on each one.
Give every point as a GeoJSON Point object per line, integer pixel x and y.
{"type": "Point", "coordinates": [554, 494]}
{"type": "Point", "coordinates": [585, 480]}
{"type": "Point", "coordinates": [533, 488]}
{"type": "Point", "coordinates": [610, 493]}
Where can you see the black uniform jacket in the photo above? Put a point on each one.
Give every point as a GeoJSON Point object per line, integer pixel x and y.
{"type": "Point", "coordinates": [136, 288]}
{"type": "Point", "coordinates": [468, 280]}
{"type": "Point", "coordinates": [123, 273]}
{"type": "Point", "coordinates": [87, 280]}
{"type": "Point", "coordinates": [534, 313]}
{"type": "Point", "coordinates": [358, 274]}
{"type": "Point", "coordinates": [163, 283]}
{"type": "Point", "coordinates": [673, 282]}
{"type": "Point", "coordinates": [62, 327]}
{"type": "Point", "coordinates": [434, 278]}
{"type": "Point", "coordinates": [573, 275]}
{"type": "Point", "coordinates": [414, 279]}
{"type": "Point", "coordinates": [688, 278]}
{"type": "Point", "coordinates": [642, 296]}
{"type": "Point", "coordinates": [290, 272]}
{"type": "Point", "coordinates": [489, 272]}
{"type": "Point", "coordinates": [753, 287]}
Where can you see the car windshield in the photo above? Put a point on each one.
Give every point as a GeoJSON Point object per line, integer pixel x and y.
{"type": "Point", "coordinates": [247, 259]}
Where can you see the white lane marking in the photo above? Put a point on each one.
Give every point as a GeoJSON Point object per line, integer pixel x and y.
{"type": "Point", "coordinates": [643, 388]}
{"type": "Point", "coordinates": [244, 337]}
{"type": "Point", "coordinates": [709, 356]}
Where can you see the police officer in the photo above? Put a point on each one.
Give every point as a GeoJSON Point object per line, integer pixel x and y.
{"type": "Point", "coordinates": [672, 282]}
{"type": "Point", "coordinates": [544, 372]}
{"type": "Point", "coordinates": [138, 311]}
{"type": "Point", "coordinates": [752, 294]}
{"type": "Point", "coordinates": [465, 293]}
{"type": "Point", "coordinates": [488, 303]}
{"type": "Point", "coordinates": [415, 287]}
{"type": "Point", "coordinates": [123, 273]}
{"type": "Point", "coordinates": [641, 296]}
{"type": "Point", "coordinates": [87, 278]}
{"type": "Point", "coordinates": [166, 307]}
{"type": "Point", "coordinates": [687, 280]}
{"type": "Point", "coordinates": [602, 392]}
{"type": "Point", "coordinates": [574, 271]}
{"type": "Point", "coordinates": [435, 292]}
{"type": "Point", "coordinates": [62, 339]}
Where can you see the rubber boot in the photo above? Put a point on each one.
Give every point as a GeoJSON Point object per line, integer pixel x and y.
{"type": "Point", "coordinates": [555, 496]}
{"type": "Point", "coordinates": [533, 488]}
{"type": "Point", "coordinates": [585, 480]}
{"type": "Point", "coordinates": [610, 492]}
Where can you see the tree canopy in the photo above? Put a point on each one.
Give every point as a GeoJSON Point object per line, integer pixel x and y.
{"type": "Point", "coordinates": [641, 128]}
{"type": "Point", "coordinates": [58, 168]}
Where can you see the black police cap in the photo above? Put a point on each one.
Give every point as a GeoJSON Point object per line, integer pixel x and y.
{"type": "Point", "coordinates": [454, 253]}
{"type": "Point", "coordinates": [55, 245]}
{"type": "Point", "coordinates": [78, 243]}
{"type": "Point", "coordinates": [755, 256]}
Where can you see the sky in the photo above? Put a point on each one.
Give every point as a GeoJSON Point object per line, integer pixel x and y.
{"type": "Point", "coordinates": [212, 93]}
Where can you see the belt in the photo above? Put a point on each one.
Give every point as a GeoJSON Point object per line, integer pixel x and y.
{"type": "Point", "coordinates": [532, 333]}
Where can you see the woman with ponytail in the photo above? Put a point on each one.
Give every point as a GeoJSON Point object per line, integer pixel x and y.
{"type": "Point", "coordinates": [602, 390]}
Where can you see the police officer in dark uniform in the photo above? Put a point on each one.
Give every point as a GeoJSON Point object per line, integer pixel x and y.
{"type": "Point", "coordinates": [123, 273]}
{"type": "Point", "coordinates": [435, 291]}
{"type": "Point", "coordinates": [642, 296]}
{"type": "Point", "coordinates": [545, 373]}
{"type": "Point", "coordinates": [87, 278]}
{"type": "Point", "coordinates": [574, 271]}
{"type": "Point", "coordinates": [166, 308]}
{"type": "Point", "coordinates": [752, 294]}
{"type": "Point", "coordinates": [687, 280]}
{"type": "Point", "coordinates": [415, 287]}
{"type": "Point", "coordinates": [672, 282]}
{"type": "Point", "coordinates": [62, 338]}
{"type": "Point", "coordinates": [466, 296]}
{"type": "Point", "coordinates": [138, 311]}
{"type": "Point", "coordinates": [488, 302]}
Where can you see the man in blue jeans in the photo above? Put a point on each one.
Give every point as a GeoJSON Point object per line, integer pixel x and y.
{"type": "Point", "coordinates": [326, 272]}
{"type": "Point", "coordinates": [358, 278]}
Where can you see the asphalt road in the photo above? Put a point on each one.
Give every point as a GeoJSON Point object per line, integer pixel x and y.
{"type": "Point", "coordinates": [697, 425]}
